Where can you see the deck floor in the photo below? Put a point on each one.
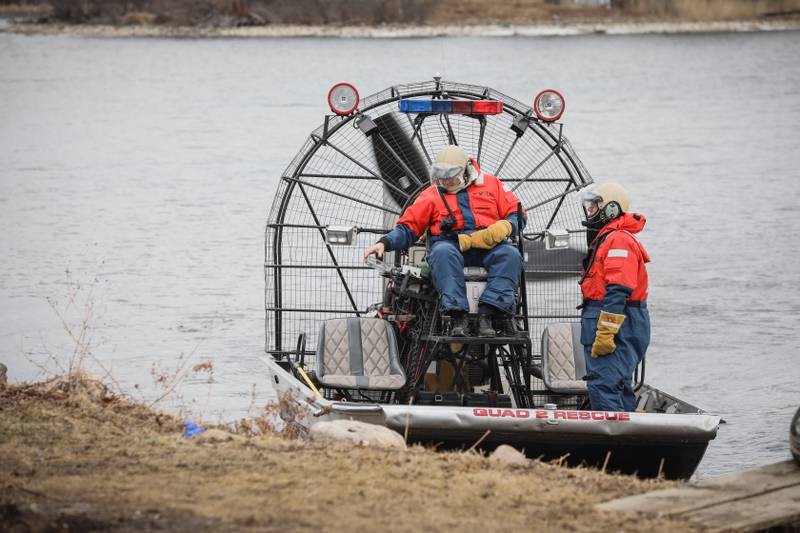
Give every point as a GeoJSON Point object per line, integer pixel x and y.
{"type": "Point", "coordinates": [751, 500]}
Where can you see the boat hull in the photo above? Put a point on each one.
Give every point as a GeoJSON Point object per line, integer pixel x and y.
{"type": "Point", "coordinates": [645, 444]}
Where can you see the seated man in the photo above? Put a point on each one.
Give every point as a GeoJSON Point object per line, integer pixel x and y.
{"type": "Point", "coordinates": [471, 215]}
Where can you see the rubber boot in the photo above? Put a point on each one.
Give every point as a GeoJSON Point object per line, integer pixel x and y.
{"type": "Point", "coordinates": [485, 328]}
{"type": "Point", "coordinates": [508, 327]}
{"type": "Point", "coordinates": [459, 325]}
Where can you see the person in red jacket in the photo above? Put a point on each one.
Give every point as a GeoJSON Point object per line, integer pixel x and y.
{"type": "Point", "coordinates": [615, 323]}
{"type": "Point", "coordinates": [470, 215]}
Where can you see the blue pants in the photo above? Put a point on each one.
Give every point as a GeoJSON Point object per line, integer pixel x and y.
{"type": "Point", "coordinates": [610, 376]}
{"type": "Point", "coordinates": [447, 262]}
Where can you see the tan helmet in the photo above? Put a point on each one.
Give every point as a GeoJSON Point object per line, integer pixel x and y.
{"type": "Point", "coordinates": [605, 202]}
{"type": "Point", "coordinates": [449, 171]}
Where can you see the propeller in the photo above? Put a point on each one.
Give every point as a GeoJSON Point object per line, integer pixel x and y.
{"type": "Point", "coordinates": [399, 160]}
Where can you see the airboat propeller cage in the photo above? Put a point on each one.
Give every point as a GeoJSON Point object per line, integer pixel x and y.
{"type": "Point", "coordinates": [363, 166]}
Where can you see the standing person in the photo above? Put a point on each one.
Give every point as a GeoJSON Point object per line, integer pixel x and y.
{"type": "Point", "coordinates": [615, 324]}
{"type": "Point", "coordinates": [471, 215]}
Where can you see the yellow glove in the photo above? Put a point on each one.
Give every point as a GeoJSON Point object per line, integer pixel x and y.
{"type": "Point", "coordinates": [464, 242]}
{"type": "Point", "coordinates": [488, 238]}
{"type": "Point", "coordinates": [607, 326]}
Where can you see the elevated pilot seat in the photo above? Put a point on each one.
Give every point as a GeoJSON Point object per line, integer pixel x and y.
{"type": "Point", "coordinates": [358, 353]}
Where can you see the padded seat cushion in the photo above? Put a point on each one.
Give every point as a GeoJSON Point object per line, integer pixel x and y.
{"type": "Point", "coordinates": [359, 353]}
{"type": "Point", "coordinates": [563, 365]}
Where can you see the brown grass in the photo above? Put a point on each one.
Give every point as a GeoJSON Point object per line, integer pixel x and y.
{"type": "Point", "coordinates": [75, 456]}
{"type": "Point", "coordinates": [134, 18]}
{"type": "Point", "coordinates": [233, 13]}
{"type": "Point", "coordinates": [711, 9]}
{"type": "Point", "coordinates": [25, 10]}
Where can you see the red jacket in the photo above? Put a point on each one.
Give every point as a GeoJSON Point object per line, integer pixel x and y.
{"type": "Point", "coordinates": [483, 203]}
{"type": "Point", "coordinates": [619, 260]}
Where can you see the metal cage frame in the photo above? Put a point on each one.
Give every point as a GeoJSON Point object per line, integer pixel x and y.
{"type": "Point", "coordinates": [334, 179]}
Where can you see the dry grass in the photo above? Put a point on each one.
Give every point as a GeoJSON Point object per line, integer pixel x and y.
{"type": "Point", "coordinates": [235, 13]}
{"type": "Point", "coordinates": [134, 18]}
{"type": "Point", "coordinates": [25, 10]}
{"type": "Point", "coordinates": [75, 455]}
{"type": "Point", "coordinates": [711, 9]}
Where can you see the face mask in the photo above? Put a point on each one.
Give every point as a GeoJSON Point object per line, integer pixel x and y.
{"type": "Point", "coordinates": [449, 177]}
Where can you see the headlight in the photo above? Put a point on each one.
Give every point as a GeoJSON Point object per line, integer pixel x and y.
{"type": "Point", "coordinates": [340, 235]}
{"type": "Point", "coordinates": [343, 98]}
{"type": "Point", "coordinates": [548, 105]}
{"type": "Point", "coordinates": [556, 239]}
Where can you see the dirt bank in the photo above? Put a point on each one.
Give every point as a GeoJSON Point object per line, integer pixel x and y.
{"type": "Point", "coordinates": [401, 31]}
{"type": "Point", "coordinates": [392, 18]}
{"type": "Point", "coordinates": [75, 457]}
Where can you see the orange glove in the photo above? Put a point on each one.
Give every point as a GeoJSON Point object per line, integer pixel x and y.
{"type": "Point", "coordinates": [488, 238]}
{"type": "Point", "coordinates": [464, 241]}
{"type": "Point", "coordinates": [607, 326]}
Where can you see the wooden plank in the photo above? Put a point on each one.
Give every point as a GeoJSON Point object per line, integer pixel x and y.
{"type": "Point", "coordinates": [781, 507]}
{"type": "Point", "coordinates": [664, 502]}
{"type": "Point", "coordinates": [749, 500]}
{"type": "Point", "coordinates": [758, 479]}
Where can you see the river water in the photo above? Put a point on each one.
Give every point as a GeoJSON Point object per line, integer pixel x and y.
{"type": "Point", "coordinates": [136, 176]}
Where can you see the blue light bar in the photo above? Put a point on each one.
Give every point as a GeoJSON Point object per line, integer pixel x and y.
{"type": "Point", "coordinates": [422, 106]}
{"type": "Point", "coordinates": [461, 107]}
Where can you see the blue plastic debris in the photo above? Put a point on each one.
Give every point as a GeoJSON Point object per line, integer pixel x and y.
{"type": "Point", "coordinates": [192, 429]}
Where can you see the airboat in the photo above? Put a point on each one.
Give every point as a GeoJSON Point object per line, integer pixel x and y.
{"type": "Point", "coordinates": [349, 340]}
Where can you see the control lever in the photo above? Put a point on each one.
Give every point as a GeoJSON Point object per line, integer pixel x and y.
{"type": "Point", "coordinates": [378, 265]}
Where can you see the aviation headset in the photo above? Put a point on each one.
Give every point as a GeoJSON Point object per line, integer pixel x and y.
{"type": "Point", "coordinates": [612, 210]}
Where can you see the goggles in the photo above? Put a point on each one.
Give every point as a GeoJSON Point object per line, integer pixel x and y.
{"type": "Point", "coordinates": [447, 176]}
{"type": "Point", "coordinates": [591, 202]}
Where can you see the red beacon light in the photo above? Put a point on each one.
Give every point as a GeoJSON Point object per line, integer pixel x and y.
{"type": "Point", "coordinates": [343, 98]}
{"type": "Point", "coordinates": [549, 105]}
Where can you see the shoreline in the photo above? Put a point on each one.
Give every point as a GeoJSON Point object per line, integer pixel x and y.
{"type": "Point", "coordinates": [77, 456]}
{"type": "Point", "coordinates": [397, 31]}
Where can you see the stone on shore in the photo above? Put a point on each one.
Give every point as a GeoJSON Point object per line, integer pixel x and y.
{"type": "Point", "coordinates": [363, 434]}
{"type": "Point", "coordinates": [509, 455]}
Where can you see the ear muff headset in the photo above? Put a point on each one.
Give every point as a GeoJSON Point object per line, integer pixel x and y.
{"type": "Point", "coordinates": [612, 210]}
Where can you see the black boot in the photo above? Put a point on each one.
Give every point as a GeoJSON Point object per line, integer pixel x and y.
{"type": "Point", "coordinates": [459, 325]}
{"type": "Point", "coordinates": [508, 327]}
{"type": "Point", "coordinates": [485, 328]}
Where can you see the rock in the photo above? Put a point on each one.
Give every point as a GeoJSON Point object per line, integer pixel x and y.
{"type": "Point", "coordinates": [509, 455]}
{"type": "Point", "coordinates": [24, 468]}
{"type": "Point", "coordinates": [3, 375]}
{"type": "Point", "coordinates": [360, 433]}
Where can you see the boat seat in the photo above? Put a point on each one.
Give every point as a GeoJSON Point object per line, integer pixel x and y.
{"type": "Point", "coordinates": [358, 353]}
{"type": "Point", "coordinates": [563, 365]}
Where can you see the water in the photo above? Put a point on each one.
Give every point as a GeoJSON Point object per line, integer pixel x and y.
{"type": "Point", "coordinates": [144, 169]}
